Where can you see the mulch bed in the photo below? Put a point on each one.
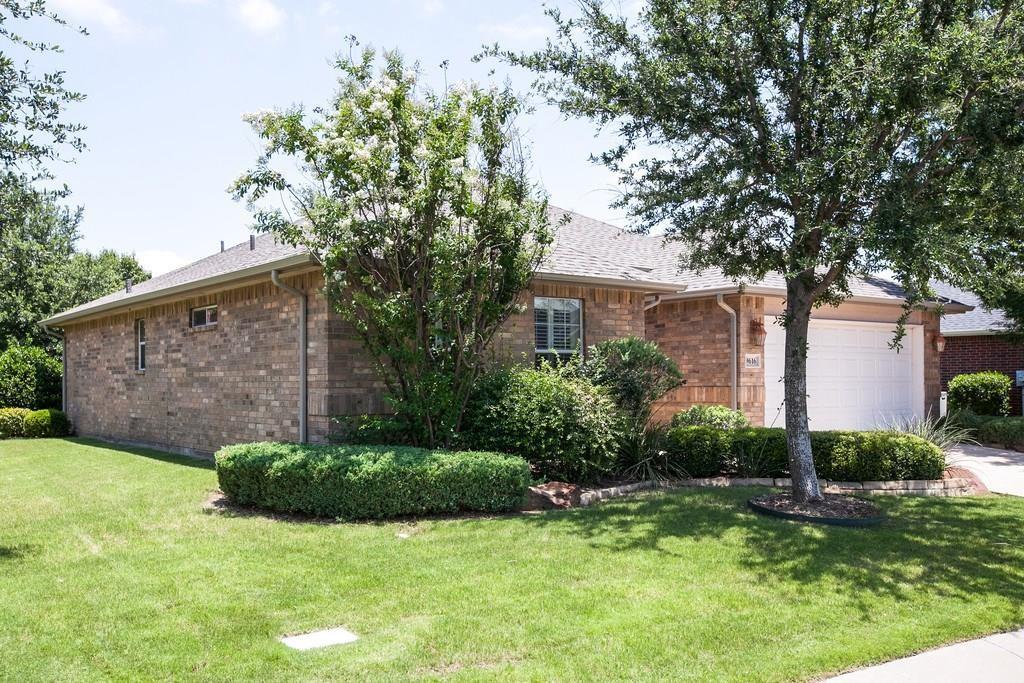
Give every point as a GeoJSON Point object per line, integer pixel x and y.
{"type": "Point", "coordinates": [834, 509]}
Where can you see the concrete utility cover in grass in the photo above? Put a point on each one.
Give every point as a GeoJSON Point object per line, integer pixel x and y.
{"type": "Point", "coordinates": [311, 641]}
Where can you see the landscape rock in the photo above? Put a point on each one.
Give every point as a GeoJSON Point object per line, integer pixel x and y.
{"type": "Point", "coordinates": [552, 495]}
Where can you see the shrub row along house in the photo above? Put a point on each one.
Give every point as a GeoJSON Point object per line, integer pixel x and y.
{"type": "Point", "coordinates": [242, 345]}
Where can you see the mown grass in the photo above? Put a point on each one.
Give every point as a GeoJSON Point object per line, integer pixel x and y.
{"type": "Point", "coordinates": [109, 570]}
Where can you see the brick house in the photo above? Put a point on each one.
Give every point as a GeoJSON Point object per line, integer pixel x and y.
{"type": "Point", "coordinates": [975, 341]}
{"type": "Point", "coordinates": [213, 353]}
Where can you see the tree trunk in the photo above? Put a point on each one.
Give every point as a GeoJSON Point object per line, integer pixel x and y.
{"type": "Point", "coordinates": [798, 436]}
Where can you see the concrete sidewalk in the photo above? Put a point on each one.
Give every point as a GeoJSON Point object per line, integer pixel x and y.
{"type": "Point", "coordinates": [1001, 471]}
{"type": "Point", "coordinates": [995, 659]}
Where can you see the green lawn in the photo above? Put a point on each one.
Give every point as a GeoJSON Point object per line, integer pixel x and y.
{"type": "Point", "coordinates": [109, 570]}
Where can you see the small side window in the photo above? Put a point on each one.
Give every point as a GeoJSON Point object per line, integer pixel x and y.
{"type": "Point", "coordinates": [140, 344]}
{"type": "Point", "coordinates": [203, 316]}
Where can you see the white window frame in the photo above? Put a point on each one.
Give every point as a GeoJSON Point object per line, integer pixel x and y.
{"type": "Point", "coordinates": [206, 309]}
{"type": "Point", "coordinates": [551, 350]}
{"type": "Point", "coordinates": [140, 344]}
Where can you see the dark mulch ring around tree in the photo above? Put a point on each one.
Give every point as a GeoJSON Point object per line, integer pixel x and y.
{"type": "Point", "coordinates": [833, 509]}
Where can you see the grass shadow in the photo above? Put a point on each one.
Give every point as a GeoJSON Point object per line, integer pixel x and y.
{"type": "Point", "coordinates": [949, 547]}
{"type": "Point", "coordinates": [17, 552]}
{"type": "Point", "coordinates": [198, 462]}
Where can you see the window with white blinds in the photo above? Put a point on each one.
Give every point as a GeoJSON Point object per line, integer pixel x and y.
{"type": "Point", "coordinates": [558, 326]}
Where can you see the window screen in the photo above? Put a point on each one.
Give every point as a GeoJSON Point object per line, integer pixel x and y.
{"type": "Point", "coordinates": [140, 344]}
{"type": "Point", "coordinates": [201, 317]}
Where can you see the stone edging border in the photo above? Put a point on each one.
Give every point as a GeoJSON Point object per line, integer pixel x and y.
{"type": "Point", "coordinates": [953, 487]}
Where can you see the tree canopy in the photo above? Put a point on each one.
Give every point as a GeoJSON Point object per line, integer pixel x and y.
{"type": "Point", "coordinates": [820, 139]}
{"type": "Point", "coordinates": [419, 207]}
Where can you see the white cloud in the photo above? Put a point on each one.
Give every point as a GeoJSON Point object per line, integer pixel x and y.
{"type": "Point", "coordinates": [160, 261]}
{"type": "Point", "coordinates": [327, 8]}
{"type": "Point", "coordinates": [523, 29]}
{"type": "Point", "coordinates": [93, 13]}
{"type": "Point", "coordinates": [431, 6]}
{"type": "Point", "coordinates": [259, 16]}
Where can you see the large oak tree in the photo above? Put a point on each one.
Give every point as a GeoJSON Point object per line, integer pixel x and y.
{"type": "Point", "coordinates": [821, 139]}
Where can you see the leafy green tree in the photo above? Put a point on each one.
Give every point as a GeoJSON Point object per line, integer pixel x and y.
{"type": "Point", "coordinates": [821, 139]}
{"type": "Point", "coordinates": [42, 273]}
{"type": "Point", "coordinates": [419, 207]}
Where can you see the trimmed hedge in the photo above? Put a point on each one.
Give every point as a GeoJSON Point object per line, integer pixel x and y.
{"type": "Point", "coordinates": [370, 482]}
{"type": "Point", "coordinates": [982, 393]}
{"type": "Point", "coordinates": [839, 456]}
{"type": "Point", "coordinates": [12, 422]}
{"type": "Point", "coordinates": [1006, 431]}
{"type": "Point", "coordinates": [47, 423]}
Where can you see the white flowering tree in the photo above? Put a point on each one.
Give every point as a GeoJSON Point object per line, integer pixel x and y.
{"type": "Point", "coordinates": [420, 209]}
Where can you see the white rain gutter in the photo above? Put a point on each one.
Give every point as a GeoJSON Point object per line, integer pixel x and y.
{"type": "Point", "coordinates": [303, 397]}
{"type": "Point", "coordinates": [64, 366]}
{"type": "Point", "coordinates": [732, 346]}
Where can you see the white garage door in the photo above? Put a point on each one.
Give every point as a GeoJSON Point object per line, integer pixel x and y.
{"type": "Point", "coordinates": [854, 380]}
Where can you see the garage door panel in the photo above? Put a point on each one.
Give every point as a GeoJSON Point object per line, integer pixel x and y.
{"type": "Point", "coordinates": [855, 380]}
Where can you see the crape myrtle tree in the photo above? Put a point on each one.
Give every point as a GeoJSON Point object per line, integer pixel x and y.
{"type": "Point", "coordinates": [820, 139]}
{"type": "Point", "coordinates": [420, 209]}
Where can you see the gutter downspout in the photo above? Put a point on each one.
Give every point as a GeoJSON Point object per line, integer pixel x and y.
{"type": "Point", "coordinates": [64, 366]}
{"type": "Point", "coordinates": [303, 397]}
{"type": "Point", "coordinates": [654, 302]}
{"type": "Point", "coordinates": [719, 299]}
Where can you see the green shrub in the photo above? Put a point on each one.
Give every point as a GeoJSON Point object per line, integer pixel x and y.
{"type": "Point", "coordinates": [759, 452]}
{"type": "Point", "coordinates": [29, 378]}
{"type": "Point", "coordinates": [881, 455]}
{"type": "Point", "coordinates": [982, 393]}
{"type": "Point", "coordinates": [636, 373]}
{"type": "Point", "coordinates": [47, 423]}
{"type": "Point", "coordinates": [710, 416]}
{"type": "Point", "coordinates": [370, 482]}
{"type": "Point", "coordinates": [379, 430]}
{"type": "Point", "coordinates": [838, 455]}
{"type": "Point", "coordinates": [562, 423]}
{"type": "Point", "coordinates": [12, 422]}
{"type": "Point", "coordinates": [1007, 431]}
{"type": "Point", "coordinates": [698, 451]}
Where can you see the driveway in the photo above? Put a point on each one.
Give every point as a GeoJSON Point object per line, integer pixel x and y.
{"type": "Point", "coordinates": [996, 659]}
{"type": "Point", "coordinates": [1001, 471]}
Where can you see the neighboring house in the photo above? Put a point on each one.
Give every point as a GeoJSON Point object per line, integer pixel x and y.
{"type": "Point", "coordinates": [975, 341]}
{"type": "Point", "coordinates": [211, 353]}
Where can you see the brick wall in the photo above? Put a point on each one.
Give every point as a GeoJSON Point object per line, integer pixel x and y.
{"type": "Point", "coordinates": [237, 381]}
{"type": "Point", "coordinates": [695, 333]}
{"type": "Point", "coordinates": [983, 352]}
{"type": "Point", "coordinates": [607, 314]}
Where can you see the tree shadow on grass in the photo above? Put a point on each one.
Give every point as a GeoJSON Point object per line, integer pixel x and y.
{"type": "Point", "coordinates": [17, 552]}
{"type": "Point", "coordinates": [198, 462]}
{"type": "Point", "coordinates": [947, 547]}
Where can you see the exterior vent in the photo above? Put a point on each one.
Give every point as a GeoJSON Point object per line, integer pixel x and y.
{"type": "Point", "coordinates": [222, 245]}
{"type": "Point", "coordinates": [252, 242]}
{"type": "Point", "coordinates": [128, 286]}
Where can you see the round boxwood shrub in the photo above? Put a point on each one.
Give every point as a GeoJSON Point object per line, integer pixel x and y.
{"type": "Point", "coordinates": [29, 378]}
{"type": "Point", "coordinates": [369, 482]}
{"type": "Point", "coordinates": [710, 416]}
{"type": "Point", "coordinates": [47, 423]}
{"type": "Point", "coordinates": [698, 451]}
{"type": "Point", "coordinates": [12, 422]}
{"type": "Point", "coordinates": [563, 424]}
{"type": "Point", "coordinates": [982, 393]}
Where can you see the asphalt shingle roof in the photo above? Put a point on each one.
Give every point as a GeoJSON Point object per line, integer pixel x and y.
{"type": "Point", "coordinates": [980, 320]}
{"type": "Point", "coordinates": [583, 248]}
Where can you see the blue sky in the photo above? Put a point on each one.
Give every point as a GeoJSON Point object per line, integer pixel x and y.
{"type": "Point", "coordinates": [168, 80]}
